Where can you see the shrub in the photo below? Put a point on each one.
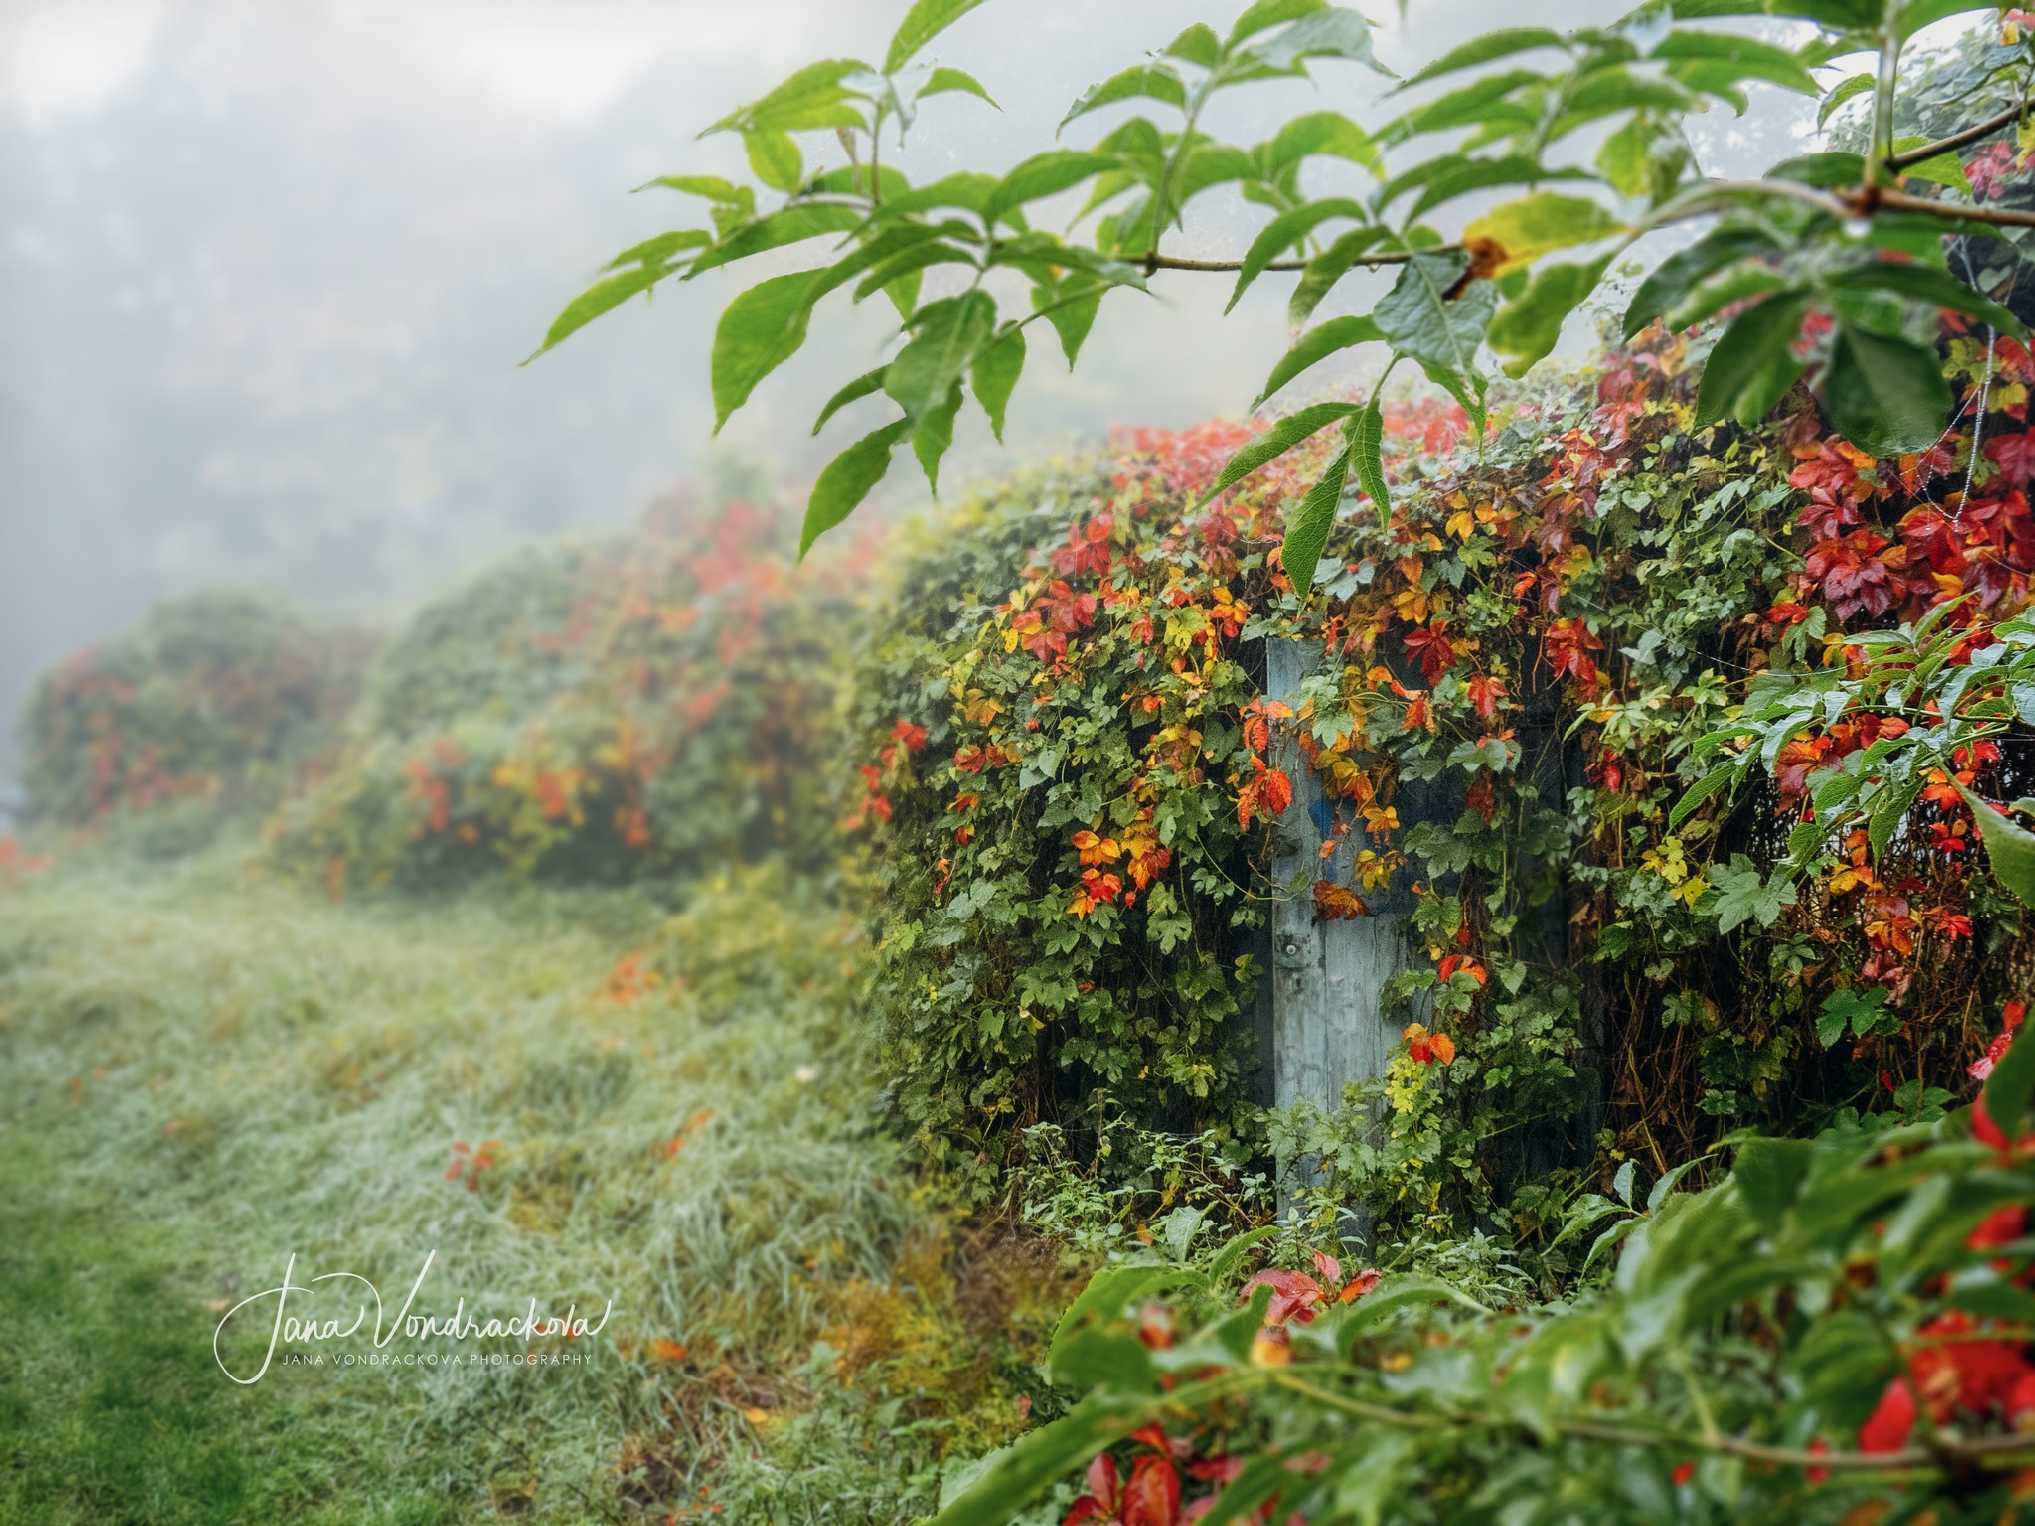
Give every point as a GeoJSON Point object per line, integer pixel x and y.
{"type": "Point", "coordinates": [644, 705]}
{"type": "Point", "coordinates": [219, 696]}
{"type": "Point", "coordinates": [1836, 1330]}
{"type": "Point", "coordinates": [1070, 779]}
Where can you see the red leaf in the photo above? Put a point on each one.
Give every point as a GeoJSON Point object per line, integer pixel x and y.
{"type": "Point", "coordinates": [1102, 1482]}
{"type": "Point", "coordinates": [1275, 792]}
{"type": "Point", "coordinates": [1294, 1295]}
{"type": "Point", "coordinates": [1153, 1495]}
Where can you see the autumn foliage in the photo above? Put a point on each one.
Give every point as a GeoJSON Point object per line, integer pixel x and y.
{"type": "Point", "coordinates": [651, 704]}
{"type": "Point", "coordinates": [218, 697]}
{"type": "Point", "coordinates": [1077, 778]}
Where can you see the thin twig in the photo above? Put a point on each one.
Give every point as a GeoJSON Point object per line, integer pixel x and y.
{"type": "Point", "coordinates": [1168, 262]}
{"type": "Point", "coordinates": [1977, 1449]}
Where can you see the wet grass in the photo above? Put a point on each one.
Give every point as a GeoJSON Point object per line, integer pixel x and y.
{"type": "Point", "coordinates": [202, 1074]}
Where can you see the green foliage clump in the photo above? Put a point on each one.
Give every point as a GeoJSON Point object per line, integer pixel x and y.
{"type": "Point", "coordinates": [650, 704]}
{"type": "Point", "coordinates": [1059, 709]}
{"type": "Point", "coordinates": [218, 697]}
{"type": "Point", "coordinates": [1836, 1330]}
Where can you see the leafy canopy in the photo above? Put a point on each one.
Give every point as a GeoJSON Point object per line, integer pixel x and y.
{"type": "Point", "coordinates": [1831, 266]}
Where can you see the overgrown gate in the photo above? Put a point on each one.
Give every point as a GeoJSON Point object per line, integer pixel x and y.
{"type": "Point", "coordinates": [1323, 1021]}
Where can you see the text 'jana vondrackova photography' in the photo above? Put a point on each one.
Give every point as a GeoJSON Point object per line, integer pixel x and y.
{"type": "Point", "coordinates": [947, 763]}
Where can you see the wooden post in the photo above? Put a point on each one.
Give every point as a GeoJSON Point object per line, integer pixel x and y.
{"type": "Point", "coordinates": [1324, 1024]}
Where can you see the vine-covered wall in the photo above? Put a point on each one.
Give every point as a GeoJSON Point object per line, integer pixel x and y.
{"type": "Point", "coordinates": [1068, 787]}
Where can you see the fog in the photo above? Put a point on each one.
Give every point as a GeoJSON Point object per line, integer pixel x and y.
{"type": "Point", "coordinates": [268, 271]}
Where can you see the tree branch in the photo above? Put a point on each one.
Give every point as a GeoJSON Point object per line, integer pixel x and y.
{"type": "Point", "coordinates": [1954, 211]}
{"type": "Point", "coordinates": [1985, 1450]}
{"type": "Point", "coordinates": [1167, 262]}
{"type": "Point", "coordinates": [1957, 140]}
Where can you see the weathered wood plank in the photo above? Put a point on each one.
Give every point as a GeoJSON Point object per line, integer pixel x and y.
{"type": "Point", "coordinates": [1327, 1020]}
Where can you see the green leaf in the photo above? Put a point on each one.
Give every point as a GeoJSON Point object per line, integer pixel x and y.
{"type": "Point", "coordinates": [1754, 364]}
{"type": "Point", "coordinates": [1944, 169]}
{"type": "Point", "coordinates": [1857, 85]}
{"type": "Point", "coordinates": [1643, 158]}
{"type": "Point", "coordinates": [1112, 1290]}
{"type": "Point", "coordinates": [774, 158]}
{"type": "Point", "coordinates": [1092, 1359]}
{"type": "Point", "coordinates": [878, 251]}
{"type": "Point", "coordinates": [2010, 847]}
{"type": "Point", "coordinates": [1885, 394]}
{"type": "Point", "coordinates": [1743, 896]}
{"type": "Point", "coordinates": [945, 337]}
{"type": "Point", "coordinates": [1276, 441]}
{"type": "Point", "coordinates": [1540, 223]}
{"type": "Point", "coordinates": [659, 250]}
{"type": "Point", "coordinates": [1309, 524]}
{"type": "Point", "coordinates": [862, 386]}
{"type": "Point", "coordinates": [944, 81]}
{"type": "Point", "coordinates": [1701, 791]}
{"type": "Point", "coordinates": [1425, 323]}
{"type": "Point", "coordinates": [1917, 14]}
{"type": "Point", "coordinates": [1046, 174]}
{"type": "Point", "coordinates": [1266, 14]}
{"type": "Point", "coordinates": [1323, 132]}
{"type": "Point", "coordinates": [1735, 57]}
{"type": "Point", "coordinates": [759, 331]}
{"type": "Point", "coordinates": [1528, 327]}
{"type": "Point", "coordinates": [1286, 230]}
{"type": "Point", "coordinates": [1482, 104]}
{"type": "Point", "coordinates": [1322, 272]}
{"type": "Point", "coordinates": [1155, 82]}
{"type": "Point", "coordinates": [933, 433]}
{"type": "Point", "coordinates": [1198, 44]}
{"type": "Point", "coordinates": [716, 190]}
{"type": "Point", "coordinates": [1014, 1476]}
{"type": "Point", "coordinates": [1222, 1267]}
{"type": "Point", "coordinates": [846, 481]}
{"type": "Point", "coordinates": [995, 376]}
{"type": "Point", "coordinates": [1679, 273]}
{"type": "Point", "coordinates": [1734, 286]}
{"type": "Point", "coordinates": [1615, 89]}
{"type": "Point", "coordinates": [1827, 171]}
{"type": "Point", "coordinates": [1922, 283]}
{"type": "Point", "coordinates": [814, 97]}
{"type": "Point", "coordinates": [1366, 436]}
{"type": "Point", "coordinates": [1455, 177]}
{"type": "Point", "coordinates": [1331, 32]}
{"type": "Point", "coordinates": [1071, 315]}
{"type": "Point", "coordinates": [907, 264]}
{"type": "Point", "coordinates": [1394, 1295]}
{"type": "Point", "coordinates": [1487, 48]}
{"type": "Point", "coordinates": [921, 24]}
{"type": "Point", "coordinates": [1316, 345]}
{"type": "Point", "coordinates": [1890, 807]}
{"type": "Point", "coordinates": [601, 297]}
{"type": "Point", "coordinates": [790, 225]}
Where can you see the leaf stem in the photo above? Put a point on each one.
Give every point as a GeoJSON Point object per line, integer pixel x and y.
{"type": "Point", "coordinates": [1883, 93]}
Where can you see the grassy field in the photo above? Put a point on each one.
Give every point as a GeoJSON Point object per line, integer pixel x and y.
{"type": "Point", "coordinates": [202, 1074]}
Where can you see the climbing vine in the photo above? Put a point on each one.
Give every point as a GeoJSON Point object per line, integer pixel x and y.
{"type": "Point", "coordinates": [1076, 783]}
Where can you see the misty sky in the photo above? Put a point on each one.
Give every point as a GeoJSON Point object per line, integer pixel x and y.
{"type": "Point", "coordinates": [268, 268]}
